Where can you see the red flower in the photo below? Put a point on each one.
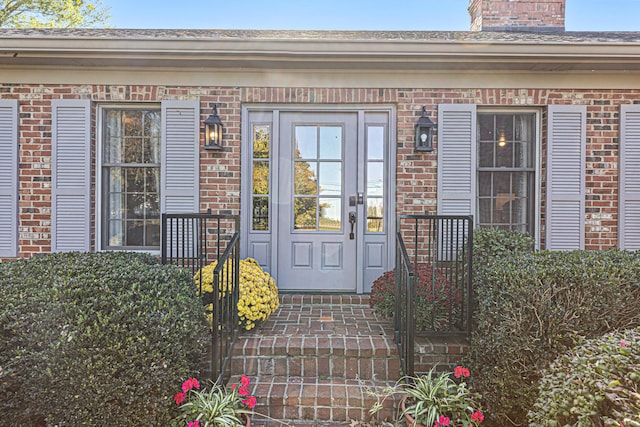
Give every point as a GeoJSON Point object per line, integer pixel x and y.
{"type": "Point", "coordinates": [245, 381]}
{"type": "Point", "coordinates": [477, 417]}
{"type": "Point", "coordinates": [459, 371]}
{"type": "Point", "coordinates": [624, 344]}
{"type": "Point", "coordinates": [250, 401]}
{"type": "Point", "coordinates": [179, 398]}
{"type": "Point", "coordinates": [243, 391]}
{"type": "Point", "coordinates": [189, 384]}
{"type": "Point", "coordinates": [443, 421]}
{"type": "Point", "coordinates": [234, 386]}
{"type": "Point", "coordinates": [194, 423]}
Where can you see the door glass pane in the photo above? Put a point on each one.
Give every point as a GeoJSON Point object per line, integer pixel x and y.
{"type": "Point", "coordinates": [375, 214]}
{"type": "Point", "coordinates": [330, 142]}
{"type": "Point", "coordinates": [304, 213]}
{"type": "Point", "coordinates": [330, 214]}
{"type": "Point", "coordinates": [260, 212]}
{"type": "Point", "coordinates": [306, 142]}
{"type": "Point", "coordinates": [375, 182]}
{"type": "Point", "coordinates": [375, 143]}
{"type": "Point", "coordinates": [261, 141]}
{"type": "Point", "coordinates": [260, 177]}
{"type": "Point", "coordinates": [306, 177]}
{"type": "Point", "coordinates": [331, 178]}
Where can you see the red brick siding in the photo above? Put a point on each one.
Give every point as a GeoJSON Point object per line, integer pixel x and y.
{"type": "Point", "coordinates": [500, 14]}
{"type": "Point", "coordinates": [220, 172]}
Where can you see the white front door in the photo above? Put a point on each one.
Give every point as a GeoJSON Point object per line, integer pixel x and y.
{"type": "Point", "coordinates": [317, 227]}
{"type": "Point", "coordinates": [317, 187]}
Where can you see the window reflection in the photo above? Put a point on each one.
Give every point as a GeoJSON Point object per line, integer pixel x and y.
{"type": "Point", "coordinates": [261, 175]}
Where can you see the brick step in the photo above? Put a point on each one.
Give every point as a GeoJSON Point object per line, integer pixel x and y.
{"type": "Point", "coordinates": [312, 299]}
{"type": "Point", "coordinates": [365, 357]}
{"type": "Point", "coordinates": [293, 400]}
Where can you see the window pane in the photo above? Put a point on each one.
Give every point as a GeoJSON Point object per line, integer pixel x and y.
{"type": "Point", "coordinates": [375, 182]}
{"type": "Point", "coordinates": [331, 178]}
{"type": "Point", "coordinates": [133, 123]}
{"type": "Point", "coordinates": [330, 142]}
{"type": "Point", "coordinates": [305, 179]}
{"type": "Point", "coordinates": [504, 156]}
{"type": "Point", "coordinates": [260, 177]}
{"type": "Point", "coordinates": [261, 141]}
{"type": "Point", "coordinates": [115, 233]}
{"type": "Point", "coordinates": [375, 215]}
{"type": "Point", "coordinates": [330, 214]}
{"type": "Point", "coordinates": [151, 150]}
{"type": "Point", "coordinates": [152, 233]}
{"type": "Point", "coordinates": [260, 213]}
{"type": "Point", "coordinates": [135, 233]}
{"type": "Point", "coordinates": [486, 127]}
{"type": "Point", "coordinates": [133, 150]}
{"type": "Point", "coordinates": [375, 143]}
{"type": "Point", "coordinates": [304, 213]}
{"type": "Point", "coordinates": [306, 142]}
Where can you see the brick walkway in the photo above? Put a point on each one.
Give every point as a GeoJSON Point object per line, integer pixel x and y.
{"type": "Point", "coordinates": [317, 360]}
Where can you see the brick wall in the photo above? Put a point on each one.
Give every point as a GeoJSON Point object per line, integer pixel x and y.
{"type": "Point", "coordinates": [220, 172]}
{"type": "Point", "coordinates": [517, 14]}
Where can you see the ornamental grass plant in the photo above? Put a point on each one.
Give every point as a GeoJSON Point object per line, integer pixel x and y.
{"type": "Point", "coordinates": [214, 406]}
{"type": "Point", "coordinates": [436, 399]}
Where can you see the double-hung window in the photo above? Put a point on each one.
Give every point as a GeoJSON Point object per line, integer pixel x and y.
{"type": "Point", "coordinates": [131, 178]}
{"type": "Point", "coordinates": [506, 170]}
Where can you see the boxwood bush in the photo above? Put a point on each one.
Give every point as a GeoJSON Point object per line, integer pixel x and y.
{"type": "Point", "coordinates": [596, 383]}
{"type": "Point", "coordinates": [532, 307]}
{"type": "Point", "coordinates": [96, 339]}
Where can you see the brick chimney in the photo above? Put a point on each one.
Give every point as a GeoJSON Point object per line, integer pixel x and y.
{"type": "Point", "coordinates": [517, 15]}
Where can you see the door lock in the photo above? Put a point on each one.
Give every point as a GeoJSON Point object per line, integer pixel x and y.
{"type": "Point", "coordinates": [352, 221]}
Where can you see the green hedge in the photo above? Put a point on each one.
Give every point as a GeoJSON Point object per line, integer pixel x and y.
{"type": "Point", "coordinates": [96, 339]}
{"type": "Point", "coordinates": [595, 383]}
{"type": "Point", "coordinates": [532, 307]}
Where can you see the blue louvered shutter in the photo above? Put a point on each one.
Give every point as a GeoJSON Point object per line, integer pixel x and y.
{"type": "Point", "coordinates": [629, 169]}
{"type": "Point", "coordinates": [456, 159]}
{"type": "Point", "coordinates": [180, 156]}
{"type": "Point", "coordinates": [8, 178]}
{"type": "Point", "coordinates": [181, 171]}
{"type": "Point", "coordinates": [71, 175]}
{"type": "Point", "coordinates": [457, 170]}
{"type": "Point", "coordinates": [566, 148]}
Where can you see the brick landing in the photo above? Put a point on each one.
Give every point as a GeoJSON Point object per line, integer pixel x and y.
{"type": "Point", "coordinates": [317, 360]}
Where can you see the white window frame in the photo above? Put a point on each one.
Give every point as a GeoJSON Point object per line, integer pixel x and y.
{"type": "Point", "coordinates": [98, 183]}
{"type": "Point", "coordinates": [537, 162]}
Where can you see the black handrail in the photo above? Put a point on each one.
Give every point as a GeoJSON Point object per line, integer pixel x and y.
{"type": "Point", "coordinates": [224, 331]}
{"type": "Point", "coordinates": [433, 265]}
{"type": "Point", "coordinates": [404, 317]}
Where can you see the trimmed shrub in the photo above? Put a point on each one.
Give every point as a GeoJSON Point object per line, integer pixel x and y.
{"type": "Point", "coordinates": [434, 297]}
{"type": "Point", "coordinates": [532, 307]}
{"type": "Point", "coordinates": [96, 339]}
{"type": "Point", "coordinates": [596, 383]}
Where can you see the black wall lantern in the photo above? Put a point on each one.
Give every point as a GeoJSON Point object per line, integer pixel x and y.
{"type": "Point", "coordinates": [213, 131]}
{"type": "Point", "coordinates": [425, 129]}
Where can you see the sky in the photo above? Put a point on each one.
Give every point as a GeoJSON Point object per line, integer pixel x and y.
{"type": "Point", "coordinates": [581, 15]}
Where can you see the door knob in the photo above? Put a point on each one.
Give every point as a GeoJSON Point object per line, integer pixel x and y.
{"type": "Point", "coordinates": [352, 221]}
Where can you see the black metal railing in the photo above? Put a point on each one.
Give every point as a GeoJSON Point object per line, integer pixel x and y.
{"type": "Point", "coordinates": [193, 241]}
{"type": "Point", "coordinates": [433, 279]}
{"type": "Point", "coordinates": [404, 317]}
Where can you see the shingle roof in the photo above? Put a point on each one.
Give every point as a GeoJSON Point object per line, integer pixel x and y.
{"type": "Point", "coordinates": [568, 37]}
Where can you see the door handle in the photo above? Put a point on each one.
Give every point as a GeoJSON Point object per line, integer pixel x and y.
{"type": "Point", "coordinates": [352, 221]}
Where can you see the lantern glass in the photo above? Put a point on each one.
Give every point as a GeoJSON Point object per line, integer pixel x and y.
{"type": "Point", "coordinates": [213, 131]}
